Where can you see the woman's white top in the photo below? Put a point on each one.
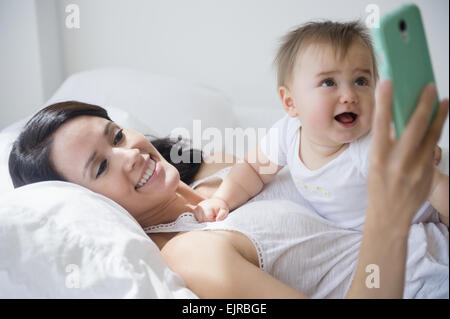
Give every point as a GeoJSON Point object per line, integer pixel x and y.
{"type": "Point", "coordinates": [315, 257]}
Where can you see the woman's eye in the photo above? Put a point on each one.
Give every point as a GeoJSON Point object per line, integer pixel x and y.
{"type": "Point", "coordinates": [327, 82]}
{"type": "Point", "coordinates": [362, 81]}
{"type": "Point", "coordinates": [118, 137]}
{"type": "Point", "coordinates": [101, 168]}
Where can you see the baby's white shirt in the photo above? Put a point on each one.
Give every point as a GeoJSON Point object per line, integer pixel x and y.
{"type": "Point", "coordinates": [337, 190]}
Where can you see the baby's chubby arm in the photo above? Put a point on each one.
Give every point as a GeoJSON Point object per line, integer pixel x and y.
{"type": "Point", "coordinates": [245, 180]}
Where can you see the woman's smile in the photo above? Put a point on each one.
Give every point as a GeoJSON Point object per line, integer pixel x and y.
{"type": "Point", "coordinates": [150, 173]}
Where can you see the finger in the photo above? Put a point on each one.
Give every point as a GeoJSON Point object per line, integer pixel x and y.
{"type": "Point", "coordinates": [382, 117]}
{"type": "Point", "coordinates": [437, 155]}
{"type": "Point", "coordinates": [393, 134]}
{"type": "Point", "coordinates": [209, 214]}
{"type": "Point", "coordinates": [223, 213]}
{"type": "Point", "coordinates": [199, 214]}
{"type": "Point", "coordinates": [435, 130]}
{"type": "Point", "coordinates": [417, 126]}
{"type": "Point", "coordinates": [210, 217]}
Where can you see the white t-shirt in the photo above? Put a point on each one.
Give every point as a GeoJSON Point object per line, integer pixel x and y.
{"type": "Point", "coordinates": [337, 190]}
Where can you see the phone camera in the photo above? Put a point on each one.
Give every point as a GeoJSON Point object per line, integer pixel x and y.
{"type": "Point", "coordinates": [402, 25]}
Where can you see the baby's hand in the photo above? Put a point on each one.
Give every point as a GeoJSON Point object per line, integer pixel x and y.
{"type": "Point", "coordinates": [210, 210]}
{"type": "Point", "coordinates": [437, 154]}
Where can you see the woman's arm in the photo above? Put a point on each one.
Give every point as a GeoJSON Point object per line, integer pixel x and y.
{"type": "Point", "coordinates": [399, 181]}
{"type": "Point", "coordinates": [213, 268]}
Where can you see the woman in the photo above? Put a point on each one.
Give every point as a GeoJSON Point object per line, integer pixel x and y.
{"type": "Point", "coordinates": [123, 165]}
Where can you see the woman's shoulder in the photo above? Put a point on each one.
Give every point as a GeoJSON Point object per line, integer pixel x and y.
{"type": "Point", "coordinates": [214, 163]}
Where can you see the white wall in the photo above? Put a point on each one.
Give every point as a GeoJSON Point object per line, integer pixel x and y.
{"type": "Point", "coordinates": [30, 57]}
{"type": "Point", "coordinates": [227, 44]}
{"type": "Point", "coordinates": [49, 45]}
{"type": "Point", "coordinates": [20, 76]}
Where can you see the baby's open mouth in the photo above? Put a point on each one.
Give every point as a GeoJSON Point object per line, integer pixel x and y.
{"type": "Point", "coordinates": [346, 118]}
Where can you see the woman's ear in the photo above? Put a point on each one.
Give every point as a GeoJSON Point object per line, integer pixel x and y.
{"type": "Point", "coordinates": [288, 101]}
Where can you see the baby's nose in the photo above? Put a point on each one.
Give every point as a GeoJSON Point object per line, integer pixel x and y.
{"type": "Point", "coordinates": [349, 97]}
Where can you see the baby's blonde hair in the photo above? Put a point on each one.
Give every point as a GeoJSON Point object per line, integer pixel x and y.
{"type": "Point", "coordinates": [339, 35]}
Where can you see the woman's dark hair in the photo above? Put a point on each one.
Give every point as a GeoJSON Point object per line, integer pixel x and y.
{"type": "Point", "coordinates": [29, 160]}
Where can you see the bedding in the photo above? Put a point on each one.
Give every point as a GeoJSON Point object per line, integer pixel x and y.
{"type": "Point", "coordinates": [162, 102]}
{"type": "Point", "coordinates": [61, 240]}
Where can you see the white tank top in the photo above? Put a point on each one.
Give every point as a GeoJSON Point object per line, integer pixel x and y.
{"type": "Point", "coordinates": [297, 246]}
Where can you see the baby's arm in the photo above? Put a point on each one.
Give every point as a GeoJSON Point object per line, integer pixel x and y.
{"type": "Point", "coordinates": [439, 195]}
{"type": "Point", "coordinates": [245, 180]}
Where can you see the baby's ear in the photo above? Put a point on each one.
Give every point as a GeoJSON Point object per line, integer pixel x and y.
{"type": "Point", "coordinates": [288, 101]}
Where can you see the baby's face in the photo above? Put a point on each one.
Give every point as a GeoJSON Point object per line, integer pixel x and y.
{"type": "Point", "coordinates": [332, 97]}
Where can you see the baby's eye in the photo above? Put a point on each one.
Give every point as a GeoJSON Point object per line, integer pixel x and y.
{"type": "Point", "coordinates": [327, 82]}
{"type": "Point", "coordinates": [118, 137]}
{"type": "Point", "coordinates": [101, 168]}
{"type": "Point", "coordinates": [362, 81]}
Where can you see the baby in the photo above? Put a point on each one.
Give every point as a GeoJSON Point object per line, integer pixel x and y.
{"type": "Point", "coordinates": [327, 75]}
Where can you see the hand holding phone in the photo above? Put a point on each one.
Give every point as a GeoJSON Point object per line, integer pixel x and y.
{"type": "Point", "coordinates": [403, 56]}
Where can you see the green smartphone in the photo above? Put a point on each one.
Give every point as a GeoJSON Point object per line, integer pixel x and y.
{"type": "Point", "coordinates": [402, 55]}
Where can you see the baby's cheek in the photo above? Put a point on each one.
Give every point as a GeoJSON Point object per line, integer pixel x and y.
{"type": "Point", "coordinates": [368, 118]}
{"type": "Point", "coordinates": [320, 119]}
{"type": "Point", "coordinates": [317, 111]}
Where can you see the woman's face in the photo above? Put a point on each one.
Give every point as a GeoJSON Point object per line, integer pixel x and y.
{"type": "Point", "coordinates": [118, 163]}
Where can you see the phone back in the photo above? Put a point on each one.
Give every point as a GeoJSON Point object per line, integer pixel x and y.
{"type": "Point", "coordinates": [403, 56]}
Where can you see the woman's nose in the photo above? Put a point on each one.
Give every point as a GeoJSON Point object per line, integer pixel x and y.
{"type": "Point", "coordinates": [131, 158]}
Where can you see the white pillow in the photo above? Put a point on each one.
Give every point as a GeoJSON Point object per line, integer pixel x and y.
{"type": "Point", "coordinates": [7, 137]}
{"type": "Point", "coordinates": [60, 240]}
{"type": "Point", "coordinates": [163, 103]}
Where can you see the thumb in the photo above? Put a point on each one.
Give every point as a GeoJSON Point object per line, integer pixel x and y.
{"type": "Point", "coordinates": [392, 132]}
{"type": "Point", "coordinates": [199, 214]}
